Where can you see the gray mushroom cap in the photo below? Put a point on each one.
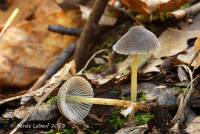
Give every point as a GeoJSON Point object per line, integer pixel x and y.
{"type": "Point", "coordinates": [75, 111]}
{"type": "Point", "coordinates": [137, 40]}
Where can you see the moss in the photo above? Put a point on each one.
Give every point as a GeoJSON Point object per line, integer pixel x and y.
{"type": "Point", "coordinates": [108, 42]}
{"type": "Point", "coordinates": [115, 91]}
{"type": "Point", "coordinates": [50, 132]}
{"type": "Point", "coordinates": [143, 118]}
{"type": "Point", "coordinates": [185, 6]}
{"type": "Point", "coordinates": [66, 131]}
{"type": "Point", "coordinates": [120, 58]}
{"type": "Point", "coordinates": [116, 121]}
{"type": "Point", "coordinates": [98, 69]}
{"type": "Point", "coordinates": [92, 131]}
{"type": "Point", "coordinates": [181, 90]}
{"type": "Point", "coordinates": [142, 97]}
{"type": "Point", "coordinates": [161, 16]}
{"type": "Point", "coordinates": [52, 100]}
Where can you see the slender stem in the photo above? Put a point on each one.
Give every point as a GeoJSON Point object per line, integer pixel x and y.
{"type": "Point", "coordinates": [134, 68]}
{"type": "Point", "coordinates": [9, 21]}
{"type": "Point", "coordinates": [99, 101]}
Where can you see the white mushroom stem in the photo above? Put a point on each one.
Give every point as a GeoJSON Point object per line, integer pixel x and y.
{"type": "Point", "coordinates": [100, 101]}
{"type": "Point", "coordinates": [134, 68]}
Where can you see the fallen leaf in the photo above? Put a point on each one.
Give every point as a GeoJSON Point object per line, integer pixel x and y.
{"type": "Point", "coordinates": [28, 48]}
{"type": "Point", "coordinates": [164, 95]}
{"type": "Point", "coordinates": [190, 53]}
{"type": "Point", "coordinates": [196, 49]}
{"type": "Point", "coordinates": [44, 112]}
{"type": "Point", "coordinates": [26, 9]}
{"type": "Point", "coordinates": [193, 127]}
{"type": "Point", "coordinates": [182, 74]}
{"type": "Point", "coordinates": [123, 69]}
{"type": "Point", "coordinates": [152, 66]}
{"type": "Point", "coordinates": [124, 66]}
{"type": "Point", "coordinates": [8, 114]}
{"type": "Point", "coordinates": [45, 8]}
{"type": "Point", "coordinates": [187, 56]}
{"type": "Point", "coordinates": [174, 41]}
{"type": "Point", "coordinates": [100, 79]}
{"type": "Point", "coordinates": [133, 130]}
{"type": "Point", "coordinates": [191, 26]}
{"type": "Point", "coordinates": [150, 6]}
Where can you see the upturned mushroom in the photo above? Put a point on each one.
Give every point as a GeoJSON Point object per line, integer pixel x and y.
{"type": "Point", "coordinates": [135, 42]}
{"type": "Point", "coordinates": [75, 99]}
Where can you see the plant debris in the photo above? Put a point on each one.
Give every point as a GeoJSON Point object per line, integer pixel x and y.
{"type": "Point", "coordinates": [61, 71]}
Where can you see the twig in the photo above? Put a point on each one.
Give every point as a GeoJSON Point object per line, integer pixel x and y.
{"type": "Point", "coordinates": [9, 21]}
{"type": "Point", "coordinates": [53, 83]}
{"type": "Point", "coordinates": [181, 13]}
{"type": "Point", "coordinates": [17, 97]}
{"type": "Point", "coordinates": [59, 62]}
{"type": "Point", "coordinates": [64, 30]}
{"type": "Point", "coordinates": [184, 101]}
{"type": "Point", "coordinates": [91, 58]}
{"type": "Point", "coordinates": [84, 43]}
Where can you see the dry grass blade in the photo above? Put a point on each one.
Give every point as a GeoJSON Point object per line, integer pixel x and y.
{"type": "Point", "coordinates": [184, 99]}
{"type": "Point", "coordinates": [9, 21]}
{"type": "Point", "coordinates": [17, 97]}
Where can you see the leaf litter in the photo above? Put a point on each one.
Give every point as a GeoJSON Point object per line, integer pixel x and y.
{"type": "Point", "coordinates": [167, 78]}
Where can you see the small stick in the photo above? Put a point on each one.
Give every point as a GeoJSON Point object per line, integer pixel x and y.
{"type": "Point", "coordinates": [181, 13]}
{"type": "Point", "coordinates": [17, 97]}
{"type": "Point", "coordinates": [9, 21]}
{"type": "Point", "coordinates": [84, 43]}
{"type": "Point", "coordinates": [64, 30]}
{"type": "Point", "coordinates": [185, 98]}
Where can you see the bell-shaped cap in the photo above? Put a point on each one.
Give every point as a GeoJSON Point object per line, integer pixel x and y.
{"type": "Point", "coordinates": [137, 40]}
{"type": "Point", "coordinates": [75, 111]}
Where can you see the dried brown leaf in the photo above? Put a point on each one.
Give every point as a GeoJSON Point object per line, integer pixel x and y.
{"type": "Point", "coordinates": [174, 41]}
{"type": "Point", "coordinates": [196, 49]}
{"type": "Point", "coordinates": [150, 6]}
{"type": "Point", "coordinates": [193, 127]}
{"type": "Point", "coordinates": [27, 49]}
{"type": "Point", "coordinates": [44, 112]}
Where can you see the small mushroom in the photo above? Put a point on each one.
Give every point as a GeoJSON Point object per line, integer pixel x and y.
{"type": "Point", "coordinates": [135, 42]}
{"type": "Point", "coordinates": [75, 99]}
{"type": "Point", "coordinates": [75, 111]}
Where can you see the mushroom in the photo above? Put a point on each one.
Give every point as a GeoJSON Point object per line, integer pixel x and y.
{"type": "Point", "coordinates": [135, 42]}
{"type": "Point", "coordinates": [75, 99]}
